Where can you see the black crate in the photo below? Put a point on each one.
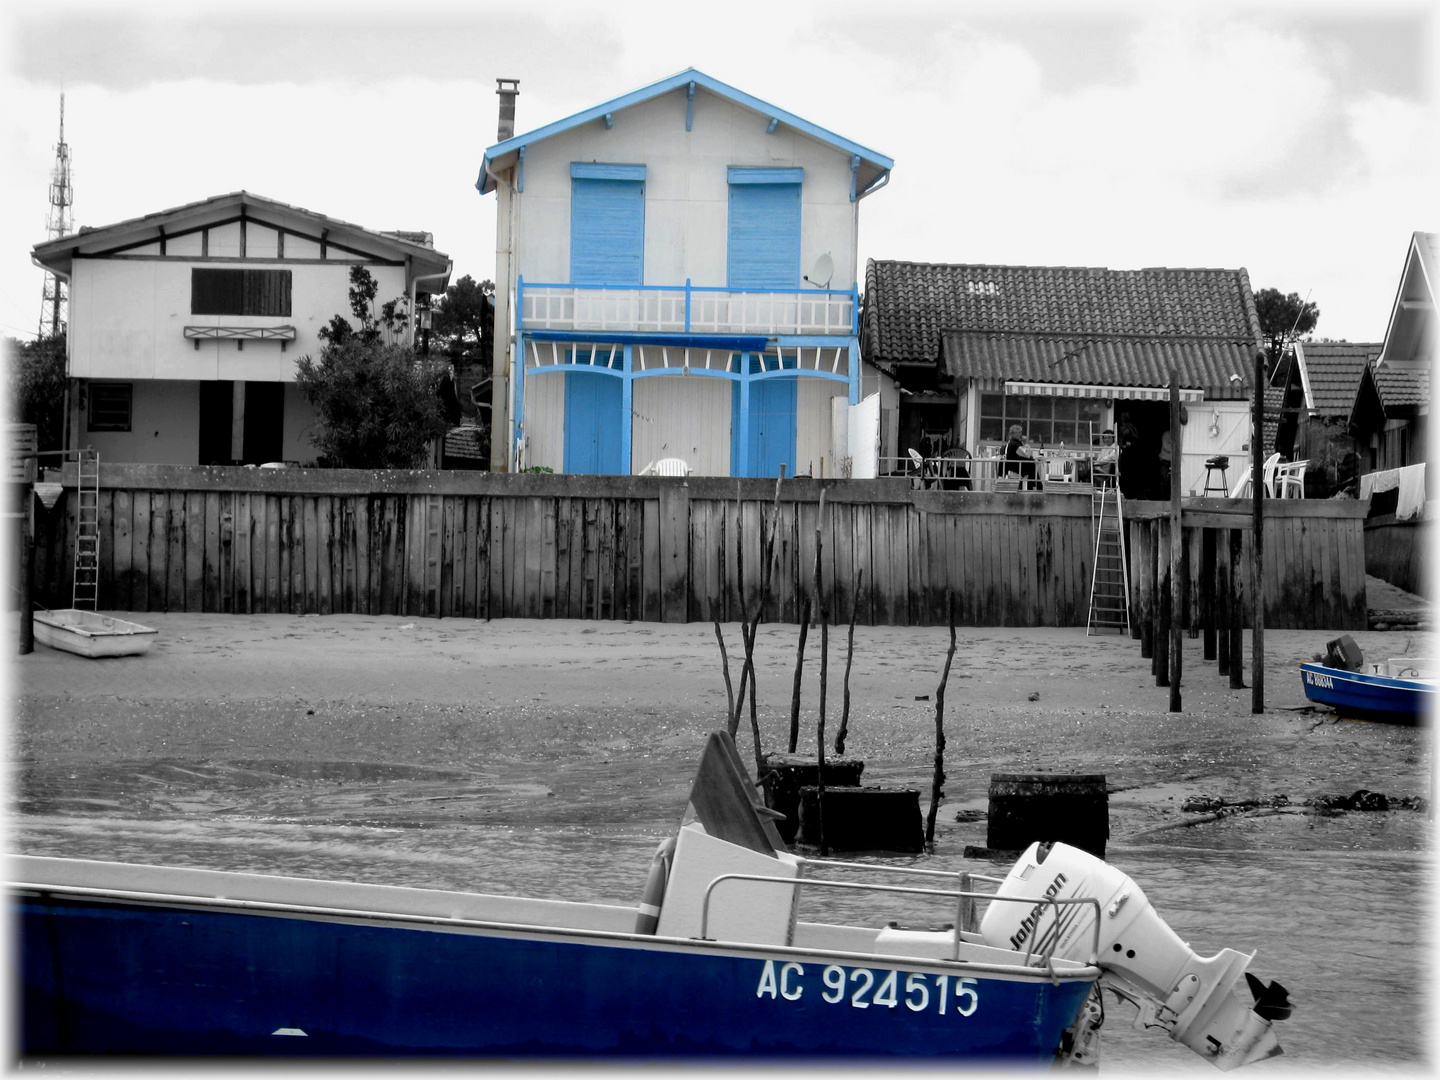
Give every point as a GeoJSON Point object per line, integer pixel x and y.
{"type": "Point", "coordinates": [863, 819]}
{"type": "Point", "coordinates": [1071, 808]}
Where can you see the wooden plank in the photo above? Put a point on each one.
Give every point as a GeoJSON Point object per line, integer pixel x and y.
{"type": "Point", "coordinates": [175, 569]}
{"type": "Point", "coordinates": [249, 553]}
{"type": "Point", "coordinates": [674, 551]}
{"type": "Point", "coordinates": [157, 501]}
{"type": "Point", "coordinates": [494, 558]}
{"type": "Point", "coordinates": [322, 539]}
{"type": "Point", "coordinates": [188, 541]}
{"type": "Point", "coordinates": [535, 556]}
{"type": "Point", "coordinates": [213, 595]}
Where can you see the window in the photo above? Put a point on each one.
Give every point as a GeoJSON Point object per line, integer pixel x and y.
{"type": "Point", "coordinates": [1045, 419]}
{"type": "Point", "coordinates": [239, 292]}
{"type": "Point", "coordinates": [109, 407]}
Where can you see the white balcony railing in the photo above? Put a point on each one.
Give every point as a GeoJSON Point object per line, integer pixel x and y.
{"type": "Point", "coordinates": [686, 309]}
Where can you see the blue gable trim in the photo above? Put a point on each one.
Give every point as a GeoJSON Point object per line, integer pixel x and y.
{"type": "Point", "coordinates": [591, 170]}
{"type": "Point", "coordinates": [733, 342]}
{"type": "Point", "coordinates": [742, 175]}
{"type": "Point", "coordinates": [682, 79]}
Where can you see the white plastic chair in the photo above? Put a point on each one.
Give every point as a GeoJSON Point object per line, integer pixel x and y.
{"type": "Point", "coordinates": [671, 466]}
{"type": "Point", "coordinates": [1290, 479]}
{"type": "Point", "coordinates": [1242, 486]}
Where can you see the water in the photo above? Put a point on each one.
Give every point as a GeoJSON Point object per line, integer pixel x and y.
{"type": "Point", "coordinates": [1346, 933]}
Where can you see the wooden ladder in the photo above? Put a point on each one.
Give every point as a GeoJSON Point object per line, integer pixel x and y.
{"type": "Point", "coordinates": [1110, 581]}
{"type": "Point", "coordinates": [86, 580]}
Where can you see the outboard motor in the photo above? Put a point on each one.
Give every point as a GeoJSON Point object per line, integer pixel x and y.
{"type": "Point", "coordinates": [1193, 998]}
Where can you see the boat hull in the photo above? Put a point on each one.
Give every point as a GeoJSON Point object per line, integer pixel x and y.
{"type": "Point", "coordinates": [1354, 693]}
{"type": "Point", "coordinates": [88, 633]}
{"type": "Point", "coordinates": [107, 976]}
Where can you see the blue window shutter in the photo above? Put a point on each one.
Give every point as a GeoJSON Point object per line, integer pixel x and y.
{"type": "Point", "coordinates": [607, 231]}
{"type": "Point", "coordinates": [764, 241]}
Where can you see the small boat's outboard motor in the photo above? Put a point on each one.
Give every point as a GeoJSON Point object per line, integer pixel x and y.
{"type": "Point", "coordinates": [1193, 998]}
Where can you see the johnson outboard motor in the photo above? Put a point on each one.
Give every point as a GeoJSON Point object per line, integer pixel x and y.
{"type": "Point", "coordinates": [1195, 999]}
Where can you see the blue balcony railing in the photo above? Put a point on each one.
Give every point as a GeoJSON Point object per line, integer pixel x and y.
{"type": "Point", "coordinates": [686, 309]}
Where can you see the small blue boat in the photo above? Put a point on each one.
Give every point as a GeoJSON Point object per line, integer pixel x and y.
{"type": "Point", "coordinates": [714, 962]}
{"type": "Point", "coordinates": [1399, 690]}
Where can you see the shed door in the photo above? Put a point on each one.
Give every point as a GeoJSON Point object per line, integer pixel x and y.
{"type": "Point", "coordinates": [593, 415]}
{"type": "Point", "coordinates": [607, 232]}
{"type": "Point", "coordinates": [764, 239]}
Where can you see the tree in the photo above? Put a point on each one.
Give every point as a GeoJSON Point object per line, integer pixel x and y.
{"type": "Point", "coordinates": [377, 403]}
{"type": "Point", "coordinates": [37, 387]}
{"type": "Point", "coordinates": [1284, 319]}
{"type": "Point", "coordinates": [463, 323]}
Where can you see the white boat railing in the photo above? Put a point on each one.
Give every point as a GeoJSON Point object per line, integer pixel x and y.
{"type": "Point", "coordinates": [1045, 961]}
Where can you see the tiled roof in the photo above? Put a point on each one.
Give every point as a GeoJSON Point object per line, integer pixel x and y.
{"type": "Point", "coordinates": [1064, 324]}
{"type": "Point", "coordinates": [1274, 402]}
{"type": "Point", "coordinates": [464, 442]}
{"type": "Point", "coordinates": [1332, 370]}
{"type": "Point", "coordinates": [1399, 387]}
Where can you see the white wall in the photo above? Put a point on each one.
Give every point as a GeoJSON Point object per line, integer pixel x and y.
{"type": "Point", "coordinates": [128, 315]}
{"type": "Point", "coordinates": [812, 426]}
{"type": "Point", "coordinates": [545, 421]}
{"type": "Point", "coordinates": [164, 426]}
{"type": "Point", "coordinates": [684, 416]}
{"type": "Point", "coordinates": [686, 188]}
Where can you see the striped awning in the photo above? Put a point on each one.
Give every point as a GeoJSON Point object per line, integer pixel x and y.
{"type": "Point", "coordinates": [1121, 393]}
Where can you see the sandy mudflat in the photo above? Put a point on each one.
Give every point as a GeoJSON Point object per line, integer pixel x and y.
{"type": "Point", "coordinates": [561, 706]}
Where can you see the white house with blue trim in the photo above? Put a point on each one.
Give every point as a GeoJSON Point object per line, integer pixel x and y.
{"type": "Point", "coordinates": [676, 278]}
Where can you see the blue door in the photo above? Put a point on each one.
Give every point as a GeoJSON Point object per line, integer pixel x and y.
{"type": "Point", "coordinates": [764, 234]}
{"type": "Point", "coordinates": [607, 225]}
{"type": "Point", "coordinates": [772, 426]}
{"type": "Point", "coordinates": [594, 412]}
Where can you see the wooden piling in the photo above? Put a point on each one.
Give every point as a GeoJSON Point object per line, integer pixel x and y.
{"type": "Point", "coordinates": [1178, 578]}
{"type": "Point", "coordinates": [1207, 592]}
{"type": "Point", "coordinates": [1161, 662]}
{"type": "Point", "coordinates": [1237, 615]}
{"type": "Point", "coordinates": [1257, 548]}
{"type": "Point", "coordinates": [1223, 600]}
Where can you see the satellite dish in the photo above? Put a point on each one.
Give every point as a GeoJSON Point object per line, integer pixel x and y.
{"type": "Point", "coordinates": [823, 272]}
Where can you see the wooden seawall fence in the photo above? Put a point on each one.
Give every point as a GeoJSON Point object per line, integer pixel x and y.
{"type": "Point", "coordinates": [475, 545]}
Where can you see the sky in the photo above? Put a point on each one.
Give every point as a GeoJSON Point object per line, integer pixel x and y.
{"type": "Point", "coordinates": [1296, 140]}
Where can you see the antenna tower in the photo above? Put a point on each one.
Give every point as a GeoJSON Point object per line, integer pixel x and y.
{"type": "Point", "coordinates": [55, 307]}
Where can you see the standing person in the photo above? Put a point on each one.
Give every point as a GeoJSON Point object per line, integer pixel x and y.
{"type": "Point", "coordinates": [1132, 472]}
{"type": "Point", "coordinates": [1019, 460]}
{"type": "Point", "coordinates": [1167, 452]}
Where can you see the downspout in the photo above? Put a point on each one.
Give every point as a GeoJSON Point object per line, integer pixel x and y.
{"type": "Point", "coordinates": [501, 436]}
{"type": "Point", "coordinates": [414, 282]}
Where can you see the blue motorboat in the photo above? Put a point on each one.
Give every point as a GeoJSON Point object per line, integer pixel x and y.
{"type": "Point", "coordinates": [1400, 690]}
{"type": "Point", "coordinates": [717, 960]}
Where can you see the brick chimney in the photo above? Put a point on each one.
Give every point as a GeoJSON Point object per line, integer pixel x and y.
{"type": "Point", "coordinates": [507, 89]}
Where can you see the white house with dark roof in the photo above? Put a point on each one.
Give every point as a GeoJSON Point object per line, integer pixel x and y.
{"type": "Point", "coordinates": [1318, 392]}
{"type": "Point", "coordinates": [1391, 412]}
{"type": "Point", "coordinates": [676, 278]}
{"type": "Point", "coordinates": [1066, 353]}
{"type": "Point", "coordinates": [185, 324]}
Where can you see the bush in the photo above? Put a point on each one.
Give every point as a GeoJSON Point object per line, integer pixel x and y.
{"type": "Point", "coordinates": [377, 405]}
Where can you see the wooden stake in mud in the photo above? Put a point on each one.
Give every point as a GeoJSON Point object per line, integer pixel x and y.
{"type": "Point", "coordinates": [937, 789]}
{"type": "Point", "coordinates": [799, 671]}
{"type": "Point", "coordinates": [849, 657]}
{"type": "Point", "coordinates": [824, 615]}
{"type": "Point", "coordinates": [1160, 662]}
{"type": "Point", "coordinates": [732, 716]}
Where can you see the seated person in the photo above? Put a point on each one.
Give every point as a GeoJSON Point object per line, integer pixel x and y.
{"type": "Point", "coordinates": [954, 471]}
{"type": "Point", "coordinates": [1107, 457]}
{"type": "Point", "coordinates": [1019, 459]}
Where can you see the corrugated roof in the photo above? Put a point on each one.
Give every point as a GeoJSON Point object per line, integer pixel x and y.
{"type": "Point", "coordinates": [1111, 361]}
{"type": "Point", "coordinates": [1331, 371]}
{"type": "Point", "coordinates": [1064, 324]}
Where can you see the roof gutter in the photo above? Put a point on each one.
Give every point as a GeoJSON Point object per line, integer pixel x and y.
{"type": "Point", "coordinates": [875, 185]}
